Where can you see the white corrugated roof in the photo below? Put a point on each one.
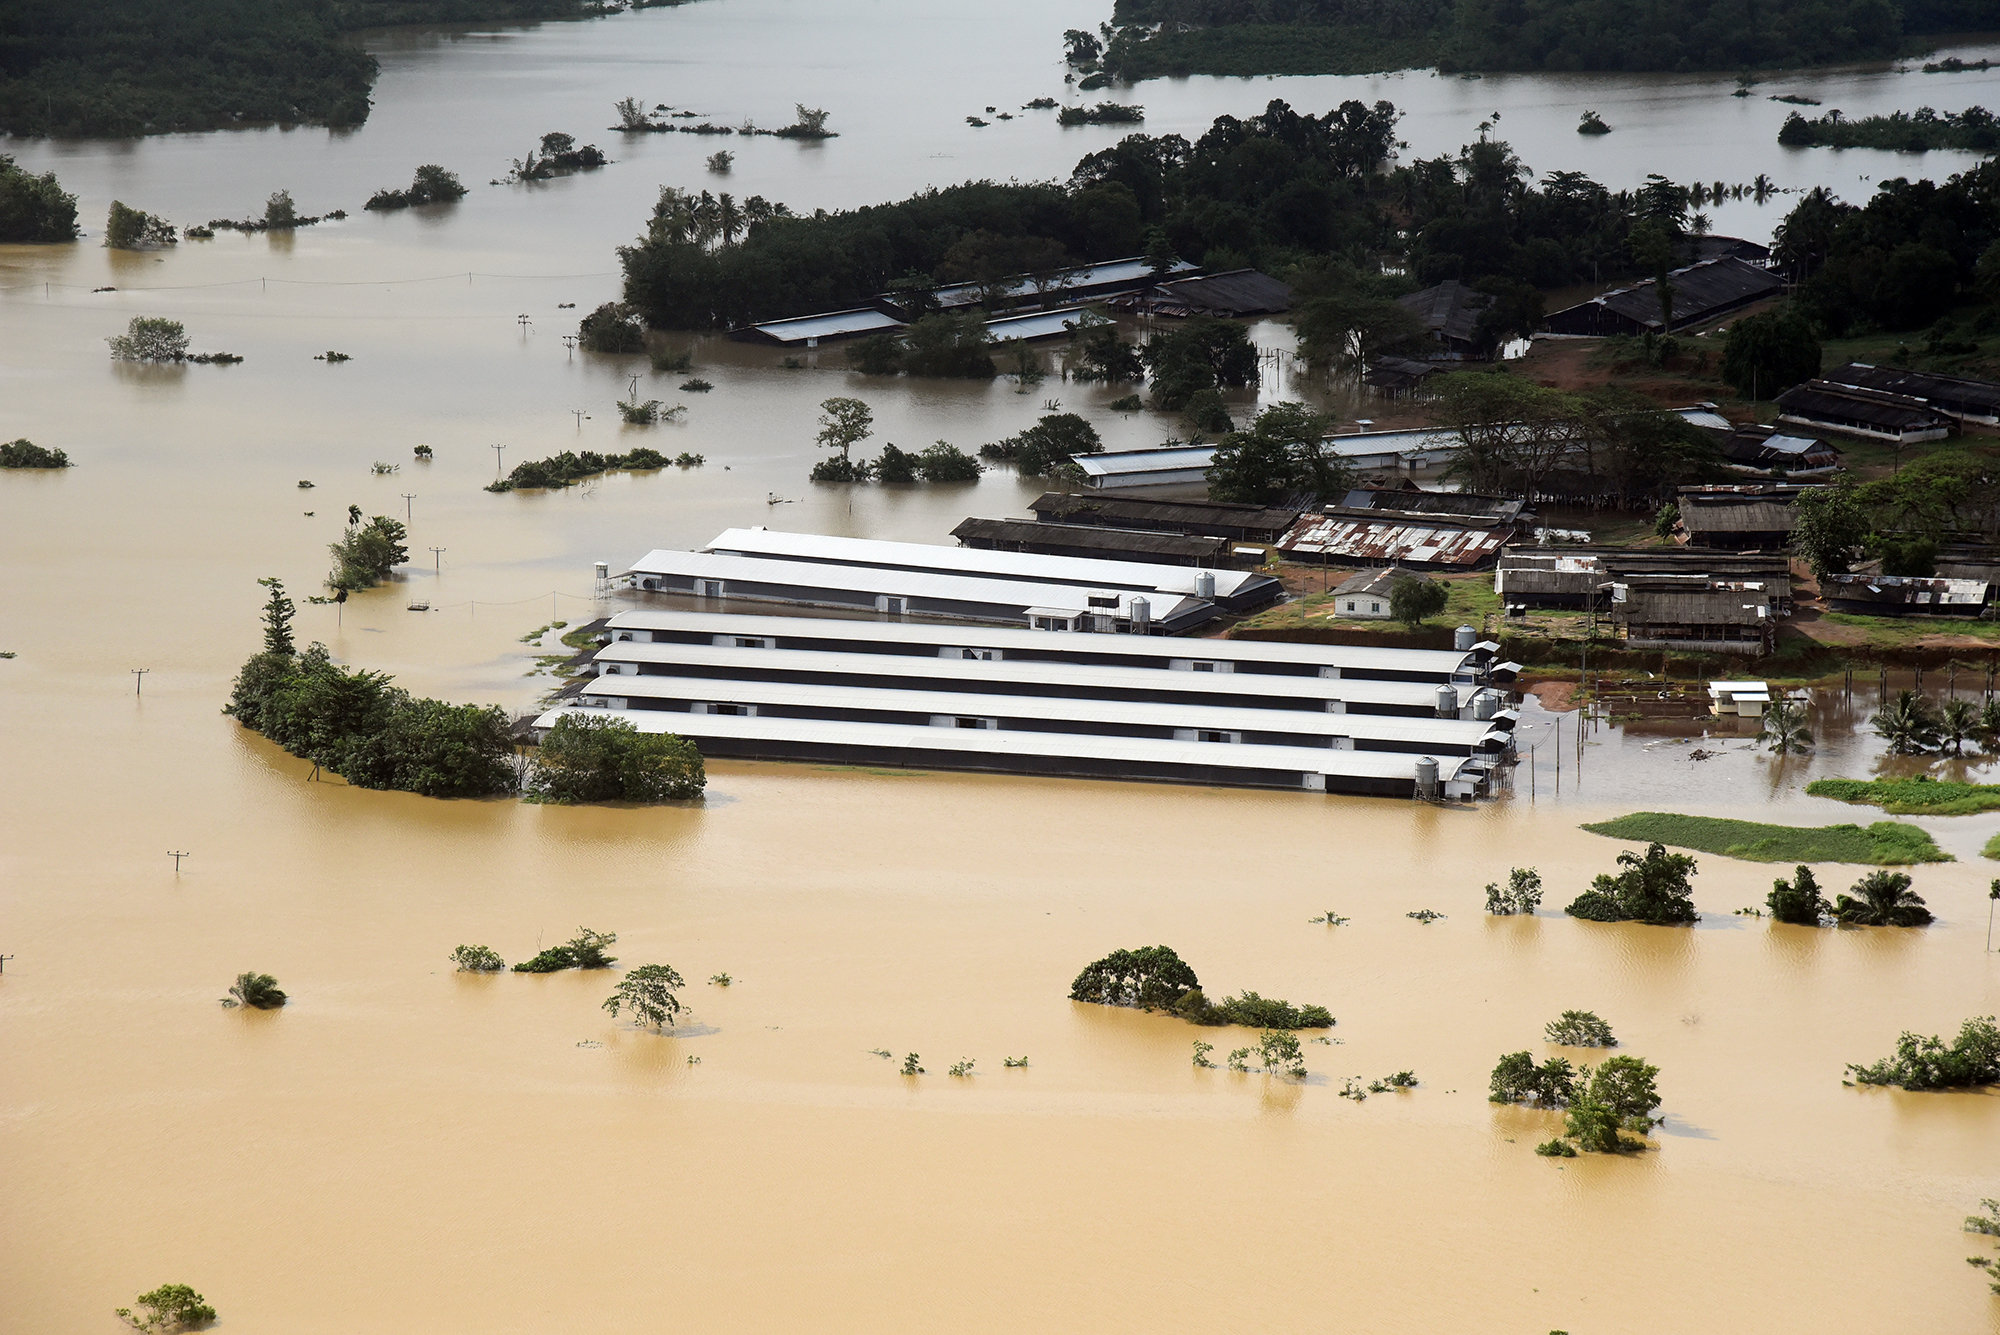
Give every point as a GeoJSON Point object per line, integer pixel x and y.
{"type": "Point", "coordinates": [1459, 734]}
{"type": "Point", "coordinates": [833, 324]}
{"type": "Point", "coordinates": [869, 580]}
{"type": "Point", "coordinates": [1080, 571]}
{"type": "Point", "coordinates": [1041, 324]}
{"type": "Point", "coordinates": [1439, 663]}
{"type": "Point", "coordinates": [979, 675]}
{"type": "Point", "coordinates": [878, 738]}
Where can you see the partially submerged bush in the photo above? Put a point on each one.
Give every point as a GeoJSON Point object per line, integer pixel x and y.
{"type": "Point", "coordinates": [171, 1307]}
{"type": "Point", "coordinates": [613, 327]}
{"type": "Point", "coordinates": [1652, 888]}
{"type": "Point", "coordinates": [128, 228]}
{"type": "Point", "coordinates": [1883, 899]}
{"type": "Point", "coordinates": [150, 338]}
{"type": "Point", "coordinates": [1798, 901]}
{"type": "Point", "coordinates": [477, 959]}
{"type": "Point", "coordinates": [585, 950]}
{"type": "Point", "coordinates": [1521, 894]}
{"type": "Point", "coordinates": [1580, 1029]}
{"type": "Point", "coordinates": [1155, 978]}
{"type": "Point", "coordinates": [26, 454]}
{"type": "Point", "coordinates": [432, 185]}
{"type": "Point", "coordinates": [1970, 1060]}
{"type": "Point", "coordinates": [649, 993]}
{"type": "Point", "coordinates": [1046, 446]}
{"type": "Point", "coordinates": [258, 991]}
{"type": "Point", "coordinates": [586, 758]}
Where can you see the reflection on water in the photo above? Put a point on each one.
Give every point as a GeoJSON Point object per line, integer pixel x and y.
{"type": "Point", "coordinates": [408, 1149]}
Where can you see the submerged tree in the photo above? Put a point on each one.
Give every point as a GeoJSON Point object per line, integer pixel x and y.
{"type": "Point", "coordinates": [1784, 728]}
{"type": "Point", "coordinates": [258, 991]}
{"type": "Point", "coordinates": [649, 993]}
{"type": "Point", "coordinates": [588, 949]}
{"type": "Point", "coordinates": [1798, 901]}
{"type": "Point", "coordinates": [1925, 1063]}
{"type": "Point", "coordinates": [597, 758]}
{"type": "Point", "coordinates": [1651, 887]}
{"type": "Point", "coordinates": [1521, 894]}
{"type": "Point", "coordinates": [1151, 978]}
{"type": "Point", "coordinates": [169, 1308]}
{"type": "Point", "coordinates": [1883, 899]}
{"type": "Point", "coordinates": [477, 959]}
{"type": "Point", "coordinates": [1580, 1029]}
{"type": "Point", "coordinates": [1908, 724]}
{"type": "Point", "coordinates": [843, 424]}
{"type": "Point", "coordinates": [150, 338]}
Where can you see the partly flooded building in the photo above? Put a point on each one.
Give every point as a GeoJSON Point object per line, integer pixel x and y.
{"type": "Point", "coordinates": [1323, 718]}
{"type": "Point", "coordinates": [1015, 588]}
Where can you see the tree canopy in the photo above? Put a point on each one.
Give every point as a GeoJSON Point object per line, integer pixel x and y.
{"type": "Point", "coordinates": [1650, 887]}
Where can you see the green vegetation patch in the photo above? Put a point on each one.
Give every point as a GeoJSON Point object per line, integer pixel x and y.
{"type": "Point", "coordinates": [1919, 796]}
{"type": "Point", "coordinates": [1883, 844]}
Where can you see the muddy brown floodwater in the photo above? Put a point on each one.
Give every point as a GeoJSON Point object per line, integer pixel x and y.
{"type": "Point", "coordinates": [407, 1149]}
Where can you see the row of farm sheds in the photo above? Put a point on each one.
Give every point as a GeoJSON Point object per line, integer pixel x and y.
{"type": "Point", "coordinates": [1048, 305]}
{"type": "Point", "coordinates": [934, 695]}
{"type": "Point", "coordinates": [1015, 661]}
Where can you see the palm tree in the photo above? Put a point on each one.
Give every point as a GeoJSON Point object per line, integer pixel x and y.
{"type": "Point", "coordinates": [1883, 899]}
{"type": "Point", "coordinates": [1785, 729]}
{"type": "Point", "coordinates": [728, 220]}
{"type": "Point", "coordinates": [259, 991]}
{"type": "Point", "coordinates": [1989, 724]}
{"type": "Point", "coordinates": [1957, 721]}
{"type": "Point", "coordinates": [1909, 725]}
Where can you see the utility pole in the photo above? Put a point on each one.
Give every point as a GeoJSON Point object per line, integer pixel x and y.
{"type": "Point", "coordinates": [496, 460]}
{"type": "Point", "coordinates": [581, 417]}
{"type": "Point", "coordinates": [139, 680]}
{"type": "Point", "coordinates": [3, 962]}
{"type": "Point", "coordinates": [409, 510]}
{"type": "Point", "coordinates": [569, 341]}
{"type": "Point", "coordinates": [176, 856]}
{"type": "Point", "coordinates": [1992, 898]}
{"type": "Point", "coordinates": [524, 322]}
{"type": "Point", "coordinates": [437, 560]}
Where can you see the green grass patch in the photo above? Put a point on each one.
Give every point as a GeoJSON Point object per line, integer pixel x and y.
{"type": "Point", "coordinates": [1893, 631]}
{"type": "Point", "coordinates": [1992, 849]}
{"type": "Point", "coordinates": [1884, 844]}
{"type": "Point", "coordinates": [1917, 796]}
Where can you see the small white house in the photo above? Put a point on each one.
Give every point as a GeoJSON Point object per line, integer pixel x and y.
{"type": "Point", "coordinates": [1365, 596]}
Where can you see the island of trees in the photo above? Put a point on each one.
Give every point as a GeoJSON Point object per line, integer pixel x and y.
{"type": "Point", "coordinates": [1250, 37]}
{"type": "Point", "coordinates": [1156, 978]}
{"type": "Point", "coordinates": [359, 725]}
{"type": "Point", "coordinates": [131, 67]}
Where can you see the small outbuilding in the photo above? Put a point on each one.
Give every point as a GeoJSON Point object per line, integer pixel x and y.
{"type": "Point", "coordinates": [1450, 314]}
{"type": "Point", "coordinates": [1765, 449]}
{"type": "Point", "coordinates": [1365, 596]}
{"type": "Point", "coordinates": [1738, 519]}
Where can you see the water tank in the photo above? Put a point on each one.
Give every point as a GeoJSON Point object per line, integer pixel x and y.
{"type": "Point", "coordinates": [1447, 702]}
{"type": "Point", "coordinates": [1204, 584]}
{"type": "Point", "coordinates": [1142, 615]}
{"type": "Point", "coordinates": [1427, 778]}
{"type": "Point", "coordinates": [1485, 705]}
{"type": "Point", "coordinates": [603, 571]}
{"type": "Point", "coordinates": [1464, 638]}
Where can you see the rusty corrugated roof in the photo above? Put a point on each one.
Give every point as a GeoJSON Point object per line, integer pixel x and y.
{"type": "Point", "coordinates": [1395, 540]}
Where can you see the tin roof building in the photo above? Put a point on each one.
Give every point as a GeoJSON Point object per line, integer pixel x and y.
{"type": "Point", "coordinates": [1906, 595]}
{"type": "Point", "coordinates": [1862, 412]}
{"type": "Point", "coordinates": [1702, 292]}
{"type": "Point", "coordinates": [1219, 519]}
{"type": "Point", "coordinates": [1958, 398]}
{"type": "Point", "coordinates": [1093, 541]}
{"type": "Point", "coordinates": [1234, 590]}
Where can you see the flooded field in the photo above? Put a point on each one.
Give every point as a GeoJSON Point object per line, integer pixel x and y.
{"type": "Point", "coordinates": [408, 1149]}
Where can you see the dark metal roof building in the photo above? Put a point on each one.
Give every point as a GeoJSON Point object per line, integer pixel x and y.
{"type": "Point", "coordinates": [1862, 412]}
{"type": "Point", "coordinates": [1241, 523]}
{"type": "Point", "coordinates": [1092, 540]}
{"type": "Point", "coordinates": [1769, 450]}
{"type": "Point", "coordinates": [1758, 518]}
{"type": "Point", "coordinates": [1234, 293]}
{"type": "Point", "coordinates": [1730, 620]}
{"type": "Point", "coordinates": [1961, 399]}
{"type": "Point", "coordinates": [1703, 291]}
{"type": "Point", "coordinates": [1450, 313]}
